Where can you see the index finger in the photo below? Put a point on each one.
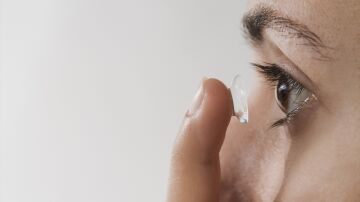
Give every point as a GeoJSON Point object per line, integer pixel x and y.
{"type": "Point", "coordinates": [195, 169]}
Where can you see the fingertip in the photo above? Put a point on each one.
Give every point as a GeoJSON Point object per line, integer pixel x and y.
{"type": "Point", "coordinates": [217, 107]}
{"type": "Point", "coordinates": [214, 116]}
{"type": "Point", "coordinates": [195, 168]}
{"type": "Point", "coordinates": [206, 122]}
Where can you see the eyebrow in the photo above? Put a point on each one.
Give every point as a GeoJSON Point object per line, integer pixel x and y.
{"type": "Point", "coordinates": [261, 18]}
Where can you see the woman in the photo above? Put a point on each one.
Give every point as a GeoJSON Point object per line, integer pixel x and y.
{"type": "Point", "coordinates": [303, 141]}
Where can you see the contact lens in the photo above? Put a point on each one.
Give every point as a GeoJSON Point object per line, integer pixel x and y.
{"type": "Point", "coordinates": [239, 99]}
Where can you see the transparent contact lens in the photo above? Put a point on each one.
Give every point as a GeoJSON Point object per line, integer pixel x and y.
{"type": "Point", "coordinates": [239, 99]}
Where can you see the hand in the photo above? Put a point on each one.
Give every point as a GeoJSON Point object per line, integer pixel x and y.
{"type": "Point", "coordinates": [195, 167]}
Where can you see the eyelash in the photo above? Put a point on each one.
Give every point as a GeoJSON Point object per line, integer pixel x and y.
{"type": "Point", "coordinates": [274, 73]}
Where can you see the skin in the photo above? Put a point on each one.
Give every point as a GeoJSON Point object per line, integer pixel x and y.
{"type": "Point", "coordinates": [315, 157]}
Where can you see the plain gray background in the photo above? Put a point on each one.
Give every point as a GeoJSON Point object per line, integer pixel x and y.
{"type": "Point", "coordinates": [93, 92]}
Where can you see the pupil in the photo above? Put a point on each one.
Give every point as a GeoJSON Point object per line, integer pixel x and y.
{"type": "Point", "coordinates": [282, 94]}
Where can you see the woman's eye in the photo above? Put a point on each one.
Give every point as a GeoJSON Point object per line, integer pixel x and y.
{"type": "Point", "coordinates": [290, 94]}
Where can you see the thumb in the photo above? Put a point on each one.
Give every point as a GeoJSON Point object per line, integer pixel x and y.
{"type": "Point", "coordinates": [195, 169]}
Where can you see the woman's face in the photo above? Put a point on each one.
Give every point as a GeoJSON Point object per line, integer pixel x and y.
{"type": "Point", "coordinates": [307, 56]}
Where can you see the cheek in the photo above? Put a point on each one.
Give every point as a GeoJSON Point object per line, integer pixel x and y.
{"type": "Point", "coordinates": [253, 157]}
{"type": "Point", "coordinates": [324, 158]}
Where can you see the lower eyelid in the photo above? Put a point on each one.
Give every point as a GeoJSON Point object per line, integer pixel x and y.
{"type": "Point", "coordinates": [304, 114]}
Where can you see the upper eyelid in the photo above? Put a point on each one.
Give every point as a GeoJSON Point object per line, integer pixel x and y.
{"type": "Point", "coordinates": [281, 73]}
{"type": "Point", "coordinates": [300, 76]}
{"type": "Point", "coordinates": [294, 73]}
{"type": "Point", "coordinates": [284, 63]}
{"type": "Point", "coordinates": [271, 71]}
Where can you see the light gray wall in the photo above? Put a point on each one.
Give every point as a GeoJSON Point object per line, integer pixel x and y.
{"type": "Point", "coordinates": [93, 92]}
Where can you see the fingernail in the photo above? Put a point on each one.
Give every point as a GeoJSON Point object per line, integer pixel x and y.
{"type": "Point", "coordinates": [196, 103]}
